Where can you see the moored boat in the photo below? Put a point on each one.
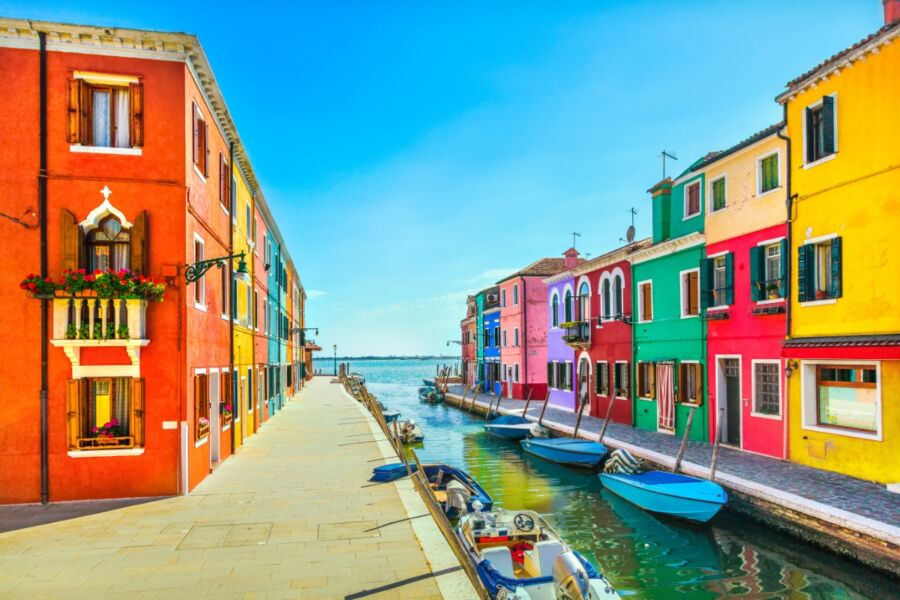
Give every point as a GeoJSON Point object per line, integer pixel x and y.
{"type": "Point", "coordinates": [409, 432]}
{"type": "Point", "coordinates": [518, 555]}
{"type": "Point", "coordinates": [456, 490]}
{"type": "Point", "coordinates": [430, 395]}
{"type": "Point", "coordinates": [389, 415]}
{"type": "Point", "coordinates": [512, 427]}
{"type": "Point", "coordinates": [580, 453]}
{"type": "Point", "coordinates": [667, 493]}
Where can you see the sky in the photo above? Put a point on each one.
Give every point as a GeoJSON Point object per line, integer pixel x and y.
{"type": "Point", "coordinates": [416, 152]}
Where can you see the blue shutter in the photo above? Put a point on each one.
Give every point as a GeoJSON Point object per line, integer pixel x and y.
{"type": "Point", "coordinates": [705, 282]}
{"type": "Point", "coordinates": [804, 272]}
{"type": "Point", "coordinates": [729, 278]}
{"type": "Point", "coordinates": [836, 267]}
{"type": "Point", "coordinates": [830, 126]}
{"type": "Point", "coordinates": [810, 136]}
{"type": "Point", "coordinates": [785, 256]}
{"type": "Point", "coordinates": [756, 269]}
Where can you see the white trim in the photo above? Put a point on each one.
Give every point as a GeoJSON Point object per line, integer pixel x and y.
{"type": "Point", "coordinates": [201, 441]}
{"type": "Point", "coordinates": [202, 280]}
{"type": "Point", "coordinates": [770, 241]}
{"type": "Point", "coordinates": [92, 220]}
{"type": "Point", "coordinates": [766, 361]}
{"type": "Point", "coordinates": [684, 195]}
{"type": "Point", "coordinates": [105, 453]}
{"type": "Point", "coordinates": [710, 196]}
{"type": "Point", "coordinates": [819, 302]}
{"type": "Point", "coordinates": [818, 239]}
{"type": "Point", "coordinates": [759, 159]}
{"type": "Point", "coordinates": [199, 173]}
{"type": "Point", "coordinates": [132, 151]}
{"type": "Point", "coordinates": [718, 254]}
{"type": "Point", "coordinates": [807, 373]}
{"type": "Point", "coordinates": [640, 303]}
{"type": "Point", "coordinates": [822, 160]}
{"type": "Point", "coordinates": [105, 78]}
{"type": "Point", "coordinates": [681, 293]}
{"type": "Point", "coordinates": [668, 247]}
{"type": "Point", "coordinates": [771, 301]}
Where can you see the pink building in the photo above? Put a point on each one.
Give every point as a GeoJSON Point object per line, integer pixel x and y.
{"type": "Point", "coordinates": [523, 327]}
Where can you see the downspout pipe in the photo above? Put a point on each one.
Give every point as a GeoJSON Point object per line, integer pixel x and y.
{"type": "Point", "coordinates": [45, 303]}
{"type": "Point", "coordinates": [523, 339]}
{"type": "Point", "coordinates": [233, 374]}
{"type": "Point", "coordinates": [789, 207]}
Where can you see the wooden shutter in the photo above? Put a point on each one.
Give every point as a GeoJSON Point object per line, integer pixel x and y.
{"type": "Point", "coordinates": [757, 254]}
{"type": "Point", "coordinates": [196, 125]}
{"type": "Point", "coordinates": [75, 133]}
{"type": "Point", "coordinates": [71, 237]}
{"type": "Point", "coordinates": [139, 255]}
{"type": "Point", "coordinates": [729, 278]}
{"type": "Point", "coordinates": [646, 302]}
{"type": "Point", "coordinates": [830, 126]}
{"type": "Point", "coordinates": [810, 136]}
{"type": "Point", "coordinates": [804, 272]}
{"type": "Point", "coordinates": [651, 369]}
{"type": "Point", "coordinates": [205, 157]}
{"type": "Point", "coordinates": [74, 389]}
{"type": "Point", "coordinates": [550, 374]}
{"type": "Point", "coordinates": [136, 98]}
{"type": "Point", "coordinates": [137, 412]}
{"type": "Point", "coordinates": [197, 395]}
{"type": "Point", "coordinates": [785, 257]}
{"type": "Point", "coordinates": [836, 267]}
{"type": "Point", "coordinates": [221, 179]}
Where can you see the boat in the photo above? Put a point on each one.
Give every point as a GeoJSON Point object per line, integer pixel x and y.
{"type": "Point", "coordinates": [430, 395]}
{"type": "Point", "coordinates": [409, 432]}
{"type": "Point", "coordinates": [428, 382]}
{"type": "Point", "coordinates": [518, 555]}
{"type": "Point", "coordinates": [566, 451]}
{"type": "Point", "coordinates": [512, 427]}
{"type": "Point", "coordinates": [662, 492]}
{"type": "Point", "coordinates": [389, 415]}
{"type": "Point", "coordinates": [456, 491]}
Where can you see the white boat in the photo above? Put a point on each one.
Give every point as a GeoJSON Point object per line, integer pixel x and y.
{"type": "Point", "coordinates": [519, 556]}
{"type": "Point", "coordinates": [409, 432]}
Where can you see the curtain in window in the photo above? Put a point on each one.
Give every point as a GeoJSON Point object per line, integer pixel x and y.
{"type": "Point", "coordinates": [121, 409]}
{"type": "Point", "coordinates": [123, 120]}
{"type": "Point", "coordinates": [100, 107]}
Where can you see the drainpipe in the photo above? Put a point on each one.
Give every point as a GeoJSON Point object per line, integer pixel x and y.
{"type": "Point", "coordinates": [523, 339]}
{"type": "Point", "coordinates": [789, 205]}
{"type": "Point", "coordinates": [45, 303]}
{"type": "Point", "coordinates": [232, 304]}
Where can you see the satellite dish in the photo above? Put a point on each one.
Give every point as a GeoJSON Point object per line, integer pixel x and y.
{"type": "Point", "coordinates": [629, 235]}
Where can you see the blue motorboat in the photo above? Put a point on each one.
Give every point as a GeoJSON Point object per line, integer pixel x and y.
{"type": "Point", "coordinates": [667, 493]}
{"type": "Point", "coordinates": [430, 395]}
{"type": "Point", "coordinates": [390, 415]}
{"type": "Point", "coordinates": [579, 453]}
{"type": "Point", "coordinates": [454, 488]}
{"type": "Point", "coordinates": [511, 427]}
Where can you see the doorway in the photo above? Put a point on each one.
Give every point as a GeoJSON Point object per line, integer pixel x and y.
{"type": "Point", "coordinates": [665, 396]}
{"type": "Point", "coordinates": [730, 399]}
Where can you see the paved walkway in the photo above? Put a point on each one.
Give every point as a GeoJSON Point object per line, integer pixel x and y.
{"type": "Point", "coordinates": [838, 493]}
{"type": "Point", "coordinates": [291, 515]}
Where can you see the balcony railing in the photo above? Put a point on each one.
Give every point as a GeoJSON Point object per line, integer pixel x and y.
{"type": "Point", "coordinates": [99, 319]}
{"type": "Point", "coordinates": [105, 443]}
{"type": "Point", "coordinates": [577, 333]}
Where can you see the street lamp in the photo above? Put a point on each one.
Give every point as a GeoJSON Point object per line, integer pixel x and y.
{"type": "Point", "coordinates": [195, 271]}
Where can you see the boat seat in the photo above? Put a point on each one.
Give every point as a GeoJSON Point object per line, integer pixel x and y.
{"type": "Point", "coordinates": [539, 561]}
{"type": "Point", "coordinates": [501, 559]}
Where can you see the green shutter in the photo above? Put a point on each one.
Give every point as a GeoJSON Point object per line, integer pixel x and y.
{"type": "Point", "coordinates": [757, 254]}
{"type": "Point", "coordinates": [785, 256]}
{"type": "Point", "coordinates": [804, 272]}
{"type": "Point", "coordinates": [830, 126]}
{"type": "Point", "coordinates": [706, 279]}
{"type": "Point", "coordinates": [729, 278]}
{"type": "Point", "coordinates": [836, 267]}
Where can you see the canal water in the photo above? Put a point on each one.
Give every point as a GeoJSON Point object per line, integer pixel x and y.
{"type": "Point", "coordinates": [644, 556]}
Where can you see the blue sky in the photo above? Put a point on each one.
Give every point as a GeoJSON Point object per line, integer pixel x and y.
{"type": "Point", "coordinates": [415, 152]}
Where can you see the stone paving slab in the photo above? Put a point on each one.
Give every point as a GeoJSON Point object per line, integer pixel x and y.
{"type": "Point", "coordinates": [290, 515]}
{"type": "Point", "coordinates": [841, 493]}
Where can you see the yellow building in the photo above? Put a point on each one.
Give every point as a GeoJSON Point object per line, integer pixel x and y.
{"type": "Point", "coordinates": [243, 315]}
{"type": "Point", "coordinates": [843, 349]}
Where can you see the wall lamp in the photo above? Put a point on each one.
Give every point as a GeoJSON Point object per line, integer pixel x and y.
{"type": "Point", "coordinates": [195, 271]}
{"type": "Point", "coordinates": [789, 367]}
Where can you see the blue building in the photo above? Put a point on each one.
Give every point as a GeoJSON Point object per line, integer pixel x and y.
{"type": "Point", "coordinates": [492, 381]}
{"type": "Point", "coordinates": [276, 329]}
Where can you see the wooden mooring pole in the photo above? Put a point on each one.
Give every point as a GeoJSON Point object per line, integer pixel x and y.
{"type": "Point", "coordinates": [474, 397]}
{"type": "Point", "coordinates": [715, 455]}
{"type": "Point", "coordinates": [684, 440]}
{"type": "Point", "coordinates": [606, 421]}
{"type": "Point", "coordinates": [527, 401]}
{"type": "Point", "coordinates": [544, 409]}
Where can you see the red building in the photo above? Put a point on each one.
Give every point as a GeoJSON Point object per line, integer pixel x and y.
{"type": "Point", "coordinates": [123, 167]}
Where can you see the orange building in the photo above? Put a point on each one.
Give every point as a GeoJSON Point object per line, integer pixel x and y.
{"type": "Point", "coordinates": [117, 160]}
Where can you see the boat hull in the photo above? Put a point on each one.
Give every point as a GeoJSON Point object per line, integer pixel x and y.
{"type": "Point", "coordinates": [578, 453]}
{"type": "Point", "coordinates": [669, 494]}
{"type": "Point", "coordinates": [478, 492]}
{"type": "Point", "coordinates": [391, 415]}
{"type": "Point", "coordinates": [510, 427]}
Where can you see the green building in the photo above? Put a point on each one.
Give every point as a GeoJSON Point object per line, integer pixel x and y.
{"type": "Point", "coordinates": [669, 331]}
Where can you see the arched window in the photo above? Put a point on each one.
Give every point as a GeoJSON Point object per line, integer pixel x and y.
{"type": "Point", "coordinates": [617, 295]}
{"type": "Point", "coordinates": [584, 302]}
{"type": "Point", "coordinates": [554, 310]}
{"type": "Point", "coordinates": [108, 246]}
{"type": "Point", "coordinates": [606, 299]}
{"type": "Point", "coordinates": [568, 305]}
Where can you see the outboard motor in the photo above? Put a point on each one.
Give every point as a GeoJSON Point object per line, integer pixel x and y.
{"type": "Point", "coordinates": [569, 577]}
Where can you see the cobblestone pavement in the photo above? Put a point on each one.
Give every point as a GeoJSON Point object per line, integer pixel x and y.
{"type": "Point", "coordinates": [291, 515]}
{"type": "Point", "coordinates": [863, 498]}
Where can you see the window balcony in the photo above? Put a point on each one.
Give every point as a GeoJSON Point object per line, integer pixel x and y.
{"type": "Point", "coordinates": [97, 325]}
{"type": "Point", "coordinates": [577, 333]}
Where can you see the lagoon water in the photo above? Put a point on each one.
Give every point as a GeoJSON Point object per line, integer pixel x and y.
{"type": "Point", "coordinates": [644, 556]}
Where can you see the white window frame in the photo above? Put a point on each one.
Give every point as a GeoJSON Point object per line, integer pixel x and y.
{"type": "Point", "coordinates": [764, 244]}
{"type": "Point", "coordinates": [640, 301]}
{"type": "Point", "coordinates": [503, 298]}
{"type": "Point", "coordinates": [701, 380]}
{"type": "Point", "coordinates": [201, 281]}
{"type": "Point", "coordinates": [199, 113]}
{"type": "Point", "coordinates": [515, 294]}
{"type": "Point", "coordinates": [683, 295]}
{"type": "Point", "coordinates": [503, 335]}
{"type": "Point", "coordinates": [568, 382]}
{"type": "Point", "coordinates": [516, 372]}
{"type": "Point", "coordinates": [766, 361]}
{"type": "Point", "coordinates": [553, 384]}
{"type": "Point", "coordinates": [226, 296]}
{"type": "Point", "coordinates": [597, 368]}
{"type": "Point", "coordinates": [833, 155]}
{"type": "Point", "coordinates": [684, 193]}
{"type": "Point", "coordinates": [809, 403]}
{"type": "Point", "coordinates": [710, 196]}
{"type": "Point", "coordinates": [554, 315]}
{"type": "Point", "coordinates": [637, 379]}
{"type": "Point", "coordinates": [516, 337]}
{"type": "Point", "coordinates": [106, 79]}
{"type": "Point", "coordinates": [628, 370]}
{"type": "Point", "coordinates": [759, 178]}
{"type": "Point", "coordinates": [818, 240]}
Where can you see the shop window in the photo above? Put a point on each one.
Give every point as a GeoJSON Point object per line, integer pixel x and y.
{"type": "Point", "coordinates": [847, 397]}
{"type": "Point", "coordinates": [106, 413]}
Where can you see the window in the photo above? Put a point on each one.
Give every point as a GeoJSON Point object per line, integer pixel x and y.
{"type": "Point", "coordinates": [767, 174]}
{"type": "Point", "coordinates": [607, 300]}
{"type": "Point", "coordinates": [621, 385]}
{"type": "Point", "coordinates": [201, 406]}
{"type": "Point", "coordinates": [767, 388]}
{"type": "Point", "coordinates": [266, 316]}
{"type": "Point", "coordinates": [106, 114]}
{"type": "Point", "coordinates": [690, 385]}
{"type": "Point", "coordinates": [486, 336]}
{"type": "Point", "coordinates": [584, 302]}
{"type": "Point", "coordinates": [226, 409]}
{"type": "Point", "coordinates": [819, 270]}
{"type": "Point", "coordinates": [554, 310]}
{"type": "Point", "coordinates": [201, 142]}
{"type": "Point", "coordinates": [692, 199]}
{"type": "Point", "coordinates": [645, 301]}
{"type": "Point", "coordinates": [690, 294]}
{"type": "Point", "coordinates": [568, 307]}
{"type": "Point", "coordinates": [504, 338]}
{"type": "Point", "coordinates": [248, 222]}
{"type": "Point", "coordinates": [567, 375]}
{"type": "Point", "coordinates": [717, 191]}
{"type": "Point", "coordinates": [767, 271]}
{"type": "Point", "coordinates": [255, 309]}
{"type": "Point", "coordinates": [200, 284]}
{"type": "Point", "coordinates": [516, 337]}
{"type": "Point", "coordinates": [106, 413]}
{"type": "Point", "coordinates": [249, 302]}
{"type": "Point", "coordinates": [820, 130]}
{"type": "Point", "coordinates": [847, 397]}
{"type": "Point", "coordinates": [719, 281]}
{"type": "Point", "coordinates": [602, 369]}
{"type": "Point", "coordinates": [108, 246]}
{"type": "Point", "coordinates": [646, 380]}
{"type": "Point", "coordinates": [516, 294]}
{"type": "Point", "coordinates": [551, 375]}
{"type": "Point", "coordinates": [224, 276]}
{"type": "Point", "coordinates": [617, 296]}
{"type": "Point", "coordinates": [516, 373]}
{"type": "Point", "coordinates": [502, 297]}
{"type": "Point", "coordinates": [225, 199]}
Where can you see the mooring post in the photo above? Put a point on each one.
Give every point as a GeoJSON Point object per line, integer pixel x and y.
{"type": "Point", "coordinates": [715, 455]}
{"type": "Point", "coordinates": [684, 440]}
{"type": "Point", "coordinates": [527, 402]}
{"type": "Point", "coordinates": [544, 409]}
{"type": "Point", "coordinates": [608, 415]}
{"type": "Point", "coordinates": [474, 397]}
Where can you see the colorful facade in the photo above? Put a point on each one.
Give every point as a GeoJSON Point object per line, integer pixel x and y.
{"type": "Point", "coordinates": [560, 368]}
{"type": "Point", "coordinates": [843, 351]}
{"type": "Point", "coordinates": [468, 341]}
{"type": "Point", "coordinates": [480, 340]}
{"type": "Point", "coordinates": [492, 341]}
{"type": "Point", "coordinates": [139, 153]}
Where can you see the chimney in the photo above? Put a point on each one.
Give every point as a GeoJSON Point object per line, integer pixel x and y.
{"type": "Point", "coordinates": [891, 11]}
{"type": "Point", "coordinates": [572, 255]}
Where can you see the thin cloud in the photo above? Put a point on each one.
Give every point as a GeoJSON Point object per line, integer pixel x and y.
{"type": "Point", "coordinates": [491, 275]}
{"type": "Point", "coordinates": [315, 294]}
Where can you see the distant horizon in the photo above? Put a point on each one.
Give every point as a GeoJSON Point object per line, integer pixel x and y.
{"type": "Point", "coordinates": [389, 357]}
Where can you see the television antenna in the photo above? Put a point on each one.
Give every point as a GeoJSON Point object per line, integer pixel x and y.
{"type": "Point", "coordinates": [664, 156]}
{"type": "Point", "coordinates": [575, 234]}
{"type": "Point", "coordinates": [630, 232]}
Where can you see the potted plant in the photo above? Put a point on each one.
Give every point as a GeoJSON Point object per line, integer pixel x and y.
{"type": "Point", "coordinates": [122, 331]}
{"type": "Point", "coordinates": [84, 332]}
{"type": "Point", "coordinates": [109, 433]}
{"type": "Point", "coordinates": [39, 287]}
{"type": "Point", "coordinates": [71, 331]}
{"type": "Point", "coordinates": [110, 330]}
{"type": "Point", "coordinates": [98, 330]}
